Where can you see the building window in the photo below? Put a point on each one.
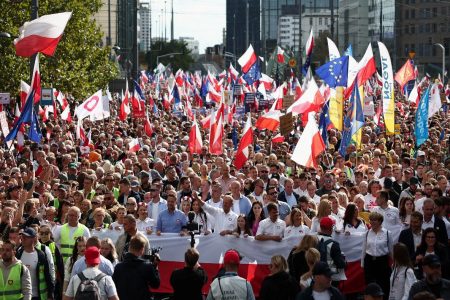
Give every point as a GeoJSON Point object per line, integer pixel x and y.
{"type": "Point", "coordinates": [406, 29]}
{"type": "Point", "coordinates": [434, 27]}
{"type": "Point", "coordinates": [406, 14]}
{"type": "Point", "coordinates": [310, 21]}
{"type": "Point", "coordinates": [413, 29]}
{"type": "Point", "coordinates": [413, 13]}
{"type": "Point", "coordinates": [435, 13]}
{"type": "Point", "coordinates": [320, 21]}
{"type": "Point", "coordinates": [428, 28]}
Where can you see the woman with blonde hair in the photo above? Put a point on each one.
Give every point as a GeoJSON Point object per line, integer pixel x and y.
{"type": "Point", "coordinates": [108, 250]}
{"type": "Point", "coordinates": [324, 210]}
{"type": "Point", "coordinates": [279, 284]}
{"type": "Point", "coordinates": [312, 256]}
{"type": "Point", "coordinates": [296, 259]}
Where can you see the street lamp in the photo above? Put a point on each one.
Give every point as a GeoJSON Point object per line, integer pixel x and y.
{"type": "Point", "coordinates": [443, 59]}
{"type": "Point", "coordinates": [165, 55]}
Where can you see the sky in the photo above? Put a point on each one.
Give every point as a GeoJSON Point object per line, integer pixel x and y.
{"type": "Point", "coordinates": [203, 20]}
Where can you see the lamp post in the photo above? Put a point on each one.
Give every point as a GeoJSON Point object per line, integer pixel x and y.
{"type": "Point", "coordinates": [443, 59]}
{"type": "Point", "coordinates": [165, 55]}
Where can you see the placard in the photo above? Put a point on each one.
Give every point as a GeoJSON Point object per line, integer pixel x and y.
{"type": "Point", "coordinates": [288, 100]}
{"type": "Point", "coordinates": [249, 98]}
{"type": "Point", "coordinates": [286, 124]}
{"type": "Point", "coordinates": [4, 127]}
{"type": "Point", "coordinates": [5, 98]}
{"type": "Point", "coordinates": [237, 91]}
{"type": "Point", "coordinates": [46, 96]}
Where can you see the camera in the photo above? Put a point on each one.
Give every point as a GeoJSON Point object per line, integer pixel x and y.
{"type": "Point", "coordinates": [153, 254]}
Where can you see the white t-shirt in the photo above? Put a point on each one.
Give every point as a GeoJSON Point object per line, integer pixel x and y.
{"type": "Point", "coordinates": [292, 231]}
{"type": "Point", "coordinates": [144, 225]}
{"type": "Point", "coordinates": [236, 208]}
{"type": "Point", "coordinates": [106, 284]}
{"type": "Point", "coordinates": [325, 295]}
{"type": "Point", "coordinates": [268, 227]}
{"type": "Point", "coordinates": [30, 260]}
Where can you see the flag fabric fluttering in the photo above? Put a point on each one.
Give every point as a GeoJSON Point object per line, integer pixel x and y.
{"type": "Point", "coordinates": [335, 72]}
{"type": "Point", "coordinates": [435, 100]}
{"type": "Point", "coordinates": [308, 52]}
{"type": "Point", "coordinates": [405, 74]}
{"type": "Point", "coordinates": [309, 146]}
{"type": "Point", "coordinates": [249, 63]}
{"type": "Point", "coordinates": [134, 145]}
{"type": "Point", "coordinates": [195, 139]}
{"type": "Point", "coordinates": [41, 35]}
{"type": "Point", "coordinates": [387, 93]}
{"type": "Point", "coordinates": [421, 122]}
{"type": "Point", "coordinates": [280, 55]}
{"type": "Point", "coordinates": [242, 152]}
{"type": "Point", "coordinates": [333, 50]}
{"type": "Point", "coordinates": [91, 106]}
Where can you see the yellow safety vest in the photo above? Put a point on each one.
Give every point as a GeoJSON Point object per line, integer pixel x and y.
{"type": "Point", "coordinates": [12, 288]}
{"type": "Point", "coordinates": [67, 242]}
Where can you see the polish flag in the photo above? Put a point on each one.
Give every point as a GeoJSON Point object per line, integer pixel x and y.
{"type": "Point", "coordinates": [298, 89]}
{"type": "Point", "coordinates": [309, 146]}
{"type": "Point", "coordinates": [144, 77]}
{"type": "Point", "coordinates": [248, 59]}
{"type": "Point", "coordinates": [267, 81]}
{"type": "Point", "coordinates": [24, 90]}
{"type": "Point", "coordinates": [148, 128]}
{"type": "Point", "coordinates": [80, 133]}
{"type": "Point", "coordinates": [125, 105]}
{"type": "Point", "coordinates": [188, 110]}
{"type": "Point", "coordinates": [310, 100]}
{"type": "Point", "coordinates": [36, 81]}
{"type": "Point", "coordinates": [233, 73]}
{"type": "Point", "coordinates": [270, 120]}
{"type": "Point", "coordinates": [366, 66]}
{"type": "Point", "coordinates": [434, 100]}
{"type": "Point", "coordinates": [216, 133]}
{"type": "Point", "coordinates": [280, 55]}
{"type": "Point", "coordinates": [206, 122]}
{"type": "Point", "coordinates": [242, 152]}
{"type": "Point", "coordinates": [195, 139]}
{"type": "Point", "coordinates": [41, 35]}
{"type": "Point", "coordinates": [213, 94]}
{"type": "Point", "coordinates": [277, 139]}
{"type": "Point", "coordinates": [134, 145]}
{"type": "Point", "coordinates": [309, 43]}
{"type": "Point", "coordinates": [65, 108]}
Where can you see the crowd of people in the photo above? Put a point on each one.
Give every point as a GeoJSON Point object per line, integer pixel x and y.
{"type": "Point", "coordinates": [55, 197]}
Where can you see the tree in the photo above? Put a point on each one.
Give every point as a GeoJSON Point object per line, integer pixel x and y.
{"type": "Point", "coordinates": [80, 65]}
{"type": "Point", "coordinates": [181, 61]}
{"type": "Point", "coordinates": [320, 52]}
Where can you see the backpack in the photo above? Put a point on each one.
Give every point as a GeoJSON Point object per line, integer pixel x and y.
{"type": "Point", "coordinates": [88, 288]}
{"type": "Point", "coordinates": [322, 247]}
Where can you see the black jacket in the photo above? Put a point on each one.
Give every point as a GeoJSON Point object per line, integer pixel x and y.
{"type": "Point", "coordinates": [188, 283]}
{"type": "Point", "coordinates": [407, 238]}
{"type": "Point", "coordinates": [306, 294]}
{"type": "Point", "coordinates": [282, 196]}
{"type": "Point", "coordinates": [133, 194]}
{"type": "Point", "coordinates": [133, 276]}
{"type": "Point", "coordinates": [42, 260]}
{"type": "Point", "coordinates": [279, 286]}
{"type": "Point", "coordinates": [439, 225]}
{"type": "Point", "coordinates": [441, 290]}
{"type": "Point", "coordinates": [297, 264]}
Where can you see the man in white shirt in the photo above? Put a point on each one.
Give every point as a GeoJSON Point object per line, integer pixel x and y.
{"type": "Point", "coordinates": [216, 193]}
{"type": "Point", "coordinates": [105, 283]}
{"type": "Point", "coordinates": [157, 204]}
{"type": "Point", "coordinates": [272, 228]}
{"type": "Point", "coordinates": [225, 220]}
{"type": "Point", "coordinates": [390, 214]}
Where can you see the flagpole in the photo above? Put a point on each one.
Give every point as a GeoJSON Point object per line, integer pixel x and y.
{"type": "Point", "coordinates": [34, 15]}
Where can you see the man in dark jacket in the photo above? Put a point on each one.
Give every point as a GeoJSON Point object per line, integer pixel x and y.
{"type": "Point", "coordinates": [412, 236]}
{"type": "Point", "coordinates": [433, 281]}
{"type": "Point", "coordinates": [133, 276]}
{"type": "Point", "coordinates": [321, 285]}
{"type": "Point", "coordinates": [187, 283]}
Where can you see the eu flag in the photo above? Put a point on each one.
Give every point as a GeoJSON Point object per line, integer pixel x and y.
{"type": "Point", "coordinates": [324, 122]}
{"type": "Point", "coordinates": [335, 72]}
{"type": "Point", "coordinates": [28, 115]}
{"type": "Point", "coordinates": [253, 74]}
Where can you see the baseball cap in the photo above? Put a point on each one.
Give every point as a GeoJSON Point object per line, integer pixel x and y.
{"type": "Point", "coordinates": [374, 290]}
{"type": "Point", "coordinates": [72, 165]}
{"type": "Point", "coordinates": [413, 180]}
{"type": "Point", "coordinates": [92, 256]}
{"type": "Point", "coordinates": [321, 268]}
{"type": "Point", "coordinates": [420, 153]}
{"type": "Point", "coordinates": [326, 222]}
{"type": "Point", "coordinates": [231, 257]}
{"type": "Point", "coordinates": [431, 260]}
{"type": "Point", "coordinates": [135, 183]}
{"type": "Point", "coordinates": [29, 232]}
{"type": "Point", "coordinates": [144, 174]}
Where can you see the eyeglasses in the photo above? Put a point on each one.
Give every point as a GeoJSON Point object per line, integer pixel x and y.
{"type": "Point", "coordinates": [128, 203]}
{"type": "Point", "coordinates": [264, 171]}
{"type": "Point", "coordinates": [273, 193]}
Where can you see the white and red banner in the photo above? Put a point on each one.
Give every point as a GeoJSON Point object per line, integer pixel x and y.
{"type": "Point", "coordinates": [93, 106]}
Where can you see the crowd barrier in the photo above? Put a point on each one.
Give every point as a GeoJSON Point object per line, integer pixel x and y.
{"type": "Point", "coordinates": [256, 255]}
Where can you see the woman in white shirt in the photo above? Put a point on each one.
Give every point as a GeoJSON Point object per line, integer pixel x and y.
{"type": "Point", "coordinates": [324, 210]}
{"type": "Point", "coordinates": [352, 223]}
{"type": "Point", "coordinates": [118, 224]}
{"type": "Point", "coordinates": [296, 229]}
{"type": "Point", "coordinates": [371, 198]}
{"type": "Point", "coordinates": [143, 222]}
{"type": "Point", "coordinates": [201, 217]}
{"type": "Point", "coordinates": [402, 277]}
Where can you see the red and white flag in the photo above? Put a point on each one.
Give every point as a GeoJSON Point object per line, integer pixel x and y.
{"type": "Point", "coordinates": [366, 66]}
{"type": "Point", "coordinates": [247, 59]}
{"type": "Point", "coordinates": [148, 127]}
{"type": "Point", "coordinates": [125, 110]}
{"type": "Point", "coordinates": [36, 81]}
{"type": "Point", "coordinates": [270, 120]}
{"type": "Point", "coordinates": [195, 139]}
{"type": "Point", "coordinates": [414, 95]}
{"type": "Point", "coordinates": [41, 35]}
{"type": "Point", "coordinates": [233, 73]}
{"type": "Point", "coordinates": [92, 106]}
{"type": "Point", "coordinates": [309, 146]}
{"type": "Point", "coordinates": [242, 152]}
{"type": "Point", "coordinates": [267, 81]}
{"type": "Point", "coordinates": [277, 139]}
{"type": "Point", "coordinates": [134, 145]}
{"type": "Point", "coordinates": [24, 90]}
{"type": "Point", "coordinates": [280, 55]}
{"type": "Point", "coordinates": [310, 100]}
{"type": "Point", "coordinates": [216, 131]}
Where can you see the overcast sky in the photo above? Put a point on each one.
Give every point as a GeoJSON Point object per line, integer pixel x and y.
{"type": "Point", "coordinates": [202, 19]}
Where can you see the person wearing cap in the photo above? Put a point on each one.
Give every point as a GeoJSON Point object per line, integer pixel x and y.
{"type": "Point", "coordinates": [15, 277]}
{"type": "Point", "coordinates": [334, 256]}
{"type": "Point", "coordinates": [230, 284]}
{"type": "Point", "coordinates": [72, 171]}
{"type": "Point", "coordinates": [134, 276]}
{"type": "Point", "coordinates": [373, 292]}
{"type": "Point", "coordinates": [145, 179]}
{"type": "Point", "coordinates": [105, 283]}
{"type": "Point", "coordinates": [321, 287]}
{"type": "Point", "coordinates": [136, 187]}
{"type": "Point", "coordinates": [410, 192]}
{"type": "Point", "coordinates": [376, 251]}
{"type": "Point", "coordinates": [41, 270]}
{"type": "Point", "coordinates": [433, 281]}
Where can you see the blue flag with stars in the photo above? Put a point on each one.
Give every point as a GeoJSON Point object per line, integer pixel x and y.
{"type": "Point", "coordinates": [324, 122]}
{"type": "Point", "coordinates": [335, 72]}
{"type": "Point", "coordinates": [28, 115]}
{"type": "Point", "coordinates": [253, 74]}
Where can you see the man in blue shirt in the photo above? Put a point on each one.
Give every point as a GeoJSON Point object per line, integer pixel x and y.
{"type": "Point", "coordinates": [171, 220]}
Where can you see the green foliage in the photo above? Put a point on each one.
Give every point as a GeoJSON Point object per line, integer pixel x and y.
{"type": "Point", "coordinates": [80, 66]}
{"type": "Point", "coordinates": [159, 48]}
{"type": "Point", "coordinates": [320, 53]}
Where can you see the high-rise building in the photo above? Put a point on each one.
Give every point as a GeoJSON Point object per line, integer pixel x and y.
{"type": "Point", "coordinates": [127, 39]}
{"type": "Point", "coordinates": [145, 26]}
{"type": "Point", "coordinates": [106, 18]}
{"type": "Point", "coordinates": [237, 23]}
{"type": "Point", "coordinates": [354, 25]}
{"type": "Point", "coordinates": [191, 44]}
